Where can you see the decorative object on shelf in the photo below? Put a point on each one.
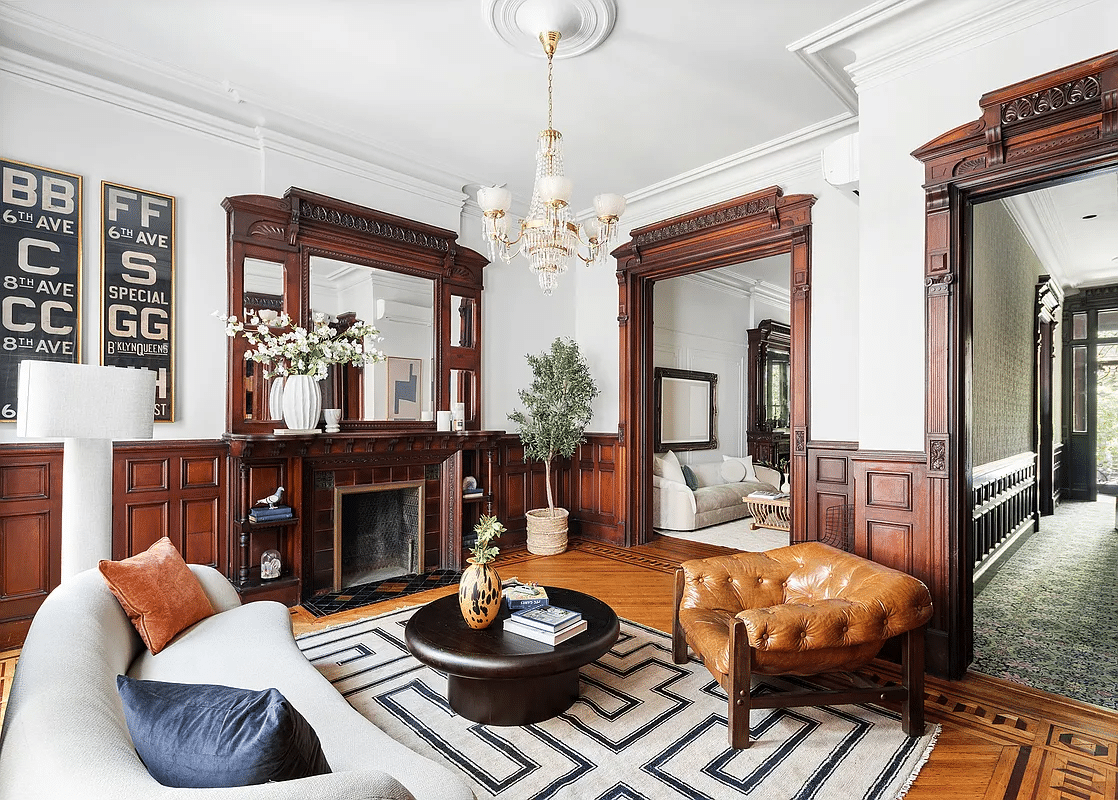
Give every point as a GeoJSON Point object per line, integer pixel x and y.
{"type": "Point", "coordinates": [271, 500]}
{"type": "Point", "coordinates": [333, 417]}
{"type": "Point", "coordinates": [479, 590]}
{"type": "Point", "coordinates": [469, 485]}
{"type": "Point", "coordinates": [270, 566]}
{"type": "Point", "coordinates": [548, 237]}
{"type": "Point", "coordinates": [271, 514]}
{"type": "Point", "coordinates": [558, 407]}
{"type": "Point", "coordinates": [442, 422]}
{"type": "Point", "coordinates": [302, 356]}
{"type": "Point", "coordinates": [458, 417]}
{"type": "Point", "coordinates": [302, 403]}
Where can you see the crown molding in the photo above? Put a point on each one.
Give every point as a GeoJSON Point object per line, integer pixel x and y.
{"type": "Point", "coordinates": [892, 38]}
{"type": "Point", "coordinates": [741, 286]}
{"type": "Point", "coordinates": [1036, 217]}
{"type": "Point", "coordinates": [782, 161]}
{"type": "Point", "coordinates": [821, 50]}
{"type": "Point", "coordinates": [297, 147]}
{"type": "Point", "coordinates": [56, 77]}
{"type": "Point", "coordinates": [34, 48]}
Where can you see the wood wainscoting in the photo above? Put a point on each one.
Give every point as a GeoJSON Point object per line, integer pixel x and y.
{"type": "Point", "coordinates": [30, 534]}
{"type": "Point", "coordinates": [588, 486]}
{"type": "Point", "coordinates": [169, 488]}
{"type": "Point", "coordinates": [174, 489]}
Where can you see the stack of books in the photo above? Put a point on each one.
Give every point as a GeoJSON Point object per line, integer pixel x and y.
{"type": "Point", "coordinates": [270, 514]}
{"type": "Point", "coordinates": [547, 624]}
{"type": "Point", "coordinates": [523, 595]}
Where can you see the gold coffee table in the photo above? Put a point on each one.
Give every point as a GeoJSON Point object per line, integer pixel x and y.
{"type": "Point", "coordinates": [769, 512]}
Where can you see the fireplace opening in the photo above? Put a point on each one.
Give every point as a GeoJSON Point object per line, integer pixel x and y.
{"type": "Point", "coordinates": [377, 532]}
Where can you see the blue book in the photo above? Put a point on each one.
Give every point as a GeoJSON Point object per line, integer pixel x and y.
{"type": "Point", "coordinates": [279, 512]}
{"type": "Point", "coordinates": [548, 618]}
{"type": "Point", "coordinates": [522, 595]}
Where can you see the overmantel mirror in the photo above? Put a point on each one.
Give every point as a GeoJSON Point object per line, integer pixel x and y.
{"type": "Point", "coordinates": [307, 254]}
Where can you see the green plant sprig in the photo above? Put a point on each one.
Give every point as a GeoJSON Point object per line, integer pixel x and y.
{"type": "Point", "coordinates": [487, 529]}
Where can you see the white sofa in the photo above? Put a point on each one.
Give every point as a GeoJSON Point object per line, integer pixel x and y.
{"type": "Point", "coordinates": [677, 507]}
{"type": "Point", "coordinates": [64, 732]}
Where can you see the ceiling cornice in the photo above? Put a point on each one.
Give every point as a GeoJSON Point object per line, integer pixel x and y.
{"type": "Point", "coordinates": [126, 79]}
{"type": "Point", "coordinates": [741, 286]}
{"type": "Point", "coordinates": [782, 161]}
{"type": "Point", "coordinates": [1036, 217]}
{"type": "Point", "coordinates": [894, 37]}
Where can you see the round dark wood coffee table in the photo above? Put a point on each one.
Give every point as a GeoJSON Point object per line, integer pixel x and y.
{"type": "Point", "coordinates": [499, 678]}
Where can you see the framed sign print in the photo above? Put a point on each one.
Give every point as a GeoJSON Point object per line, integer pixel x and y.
{"type": "Point", "coordinates": [138, 285]}
{"type": "Point", "coordinates": [40, 271]}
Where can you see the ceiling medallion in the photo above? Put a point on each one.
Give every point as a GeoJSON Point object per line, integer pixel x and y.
{"type": "Point", "coordinates": [584, 24]}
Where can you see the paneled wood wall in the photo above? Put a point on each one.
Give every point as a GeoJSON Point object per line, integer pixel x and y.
{"type": "Point", "coordinates": [174, 489]}
{"type": "Point", "coordinates": [30, 534]}
{"type": "Point", "coordinates": [587, 486]}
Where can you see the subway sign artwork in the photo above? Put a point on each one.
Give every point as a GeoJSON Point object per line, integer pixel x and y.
{"type": "Point", "coordinates": [40, 271]}
{"type": "Point", "coordinates": [137, 286]}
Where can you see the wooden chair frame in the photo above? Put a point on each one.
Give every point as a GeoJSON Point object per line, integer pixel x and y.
{"type": "Point", "coordinates": [910, 694]}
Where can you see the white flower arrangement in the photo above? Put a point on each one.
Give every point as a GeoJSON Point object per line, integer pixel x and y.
{"type": "Point", "coordinates": [285, 349]}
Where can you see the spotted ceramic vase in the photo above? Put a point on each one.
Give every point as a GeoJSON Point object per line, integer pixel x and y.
{"type": "Point", "coordinates": [479, 594]}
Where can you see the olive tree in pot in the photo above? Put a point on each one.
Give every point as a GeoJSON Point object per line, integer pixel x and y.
{"type": "Point", "coordinates": [557, 409]}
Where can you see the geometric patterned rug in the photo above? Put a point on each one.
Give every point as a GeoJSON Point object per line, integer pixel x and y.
{"type": "Point", "coordinates": [1048, 618]}
{"type": "Point", "coordinates": [643, 728]}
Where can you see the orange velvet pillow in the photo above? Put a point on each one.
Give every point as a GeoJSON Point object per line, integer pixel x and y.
{"type": "Point", "coordinates": [158, 591]}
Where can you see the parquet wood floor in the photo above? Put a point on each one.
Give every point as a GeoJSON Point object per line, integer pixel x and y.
{"type": "Point", "coordinates": [1000, 741]}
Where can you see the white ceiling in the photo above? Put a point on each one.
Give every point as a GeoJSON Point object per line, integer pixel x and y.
{"type": "Point", "coordinates": [427, 83]}
{"type": "Point", "coordinates": [676, 86]}
{"type": "Point", "coordinates": [1073, 229]}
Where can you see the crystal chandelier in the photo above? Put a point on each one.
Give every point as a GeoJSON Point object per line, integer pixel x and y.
{"type": "Point", "coordinates": [548, 238]}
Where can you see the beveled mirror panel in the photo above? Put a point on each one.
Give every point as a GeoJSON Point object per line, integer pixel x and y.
{"type": "Point", "coordinates": [463, 321]}
{"type": "Point", "coordinates": [402, 307]}
{"type": "Point", "coordinates": [463, 389]}
{"type": "Point", "coordinates": [263, 291]}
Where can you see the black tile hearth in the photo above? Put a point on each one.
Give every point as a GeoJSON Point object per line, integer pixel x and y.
{"type": "Point", "coordinates": [367, 593]}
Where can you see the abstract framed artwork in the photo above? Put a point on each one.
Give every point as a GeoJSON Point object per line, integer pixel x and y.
{"type": "Point", "coordinates": [405, 382]}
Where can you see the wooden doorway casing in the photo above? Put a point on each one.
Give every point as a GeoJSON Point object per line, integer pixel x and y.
{"type": "Point", "coordinates": [1048, 129]}
{"type": "Point", "coordinates": [757, 225]}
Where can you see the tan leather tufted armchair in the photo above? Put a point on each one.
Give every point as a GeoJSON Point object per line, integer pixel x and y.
{"type": "Point", "coordinates": [805, 609]}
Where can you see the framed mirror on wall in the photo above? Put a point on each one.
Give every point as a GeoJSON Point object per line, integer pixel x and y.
{"type": "Point", "coordinates": [307, 254]}
{"type": "Point", "coordinates": [685, 409]}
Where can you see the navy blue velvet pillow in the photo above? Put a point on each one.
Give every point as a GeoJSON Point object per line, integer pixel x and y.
{"type": "Point", "coordinates": [690, 478]}
{"type": "Point", "coordinates": [201, 735]}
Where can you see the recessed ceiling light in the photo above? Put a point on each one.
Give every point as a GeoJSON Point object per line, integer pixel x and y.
{"type": "Point", "coordinates": [1089, 216]}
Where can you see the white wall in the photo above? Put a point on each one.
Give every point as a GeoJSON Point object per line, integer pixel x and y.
{"type": "Point", "coordinates": [897, 114]}
{"type": "Point", "coordinates": [794, 166]}
{"type": "Point", "coordinates": [699, 327]}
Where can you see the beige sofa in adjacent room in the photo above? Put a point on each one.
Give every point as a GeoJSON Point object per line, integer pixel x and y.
{"type": "Point", "coordinates": [717, 496]}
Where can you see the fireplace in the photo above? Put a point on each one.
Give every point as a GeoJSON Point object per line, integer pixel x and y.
{"type": "Point", "coordinates": [378, 531]}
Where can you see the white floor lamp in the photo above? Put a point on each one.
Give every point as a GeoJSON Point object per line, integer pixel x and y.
{"type": "Point", "coordinates": [89, 406]}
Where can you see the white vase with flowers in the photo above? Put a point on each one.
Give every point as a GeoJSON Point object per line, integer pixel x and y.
{"type": "Point", "coordinates": [302, 356]}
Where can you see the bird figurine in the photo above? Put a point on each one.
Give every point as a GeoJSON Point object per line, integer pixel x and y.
{"type": "Point", "coordinates": [271, 500]}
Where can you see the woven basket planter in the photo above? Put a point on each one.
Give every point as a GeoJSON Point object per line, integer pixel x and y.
{"type": "Point", "coordinates": [547, 531]}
